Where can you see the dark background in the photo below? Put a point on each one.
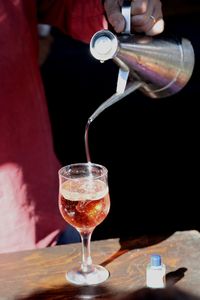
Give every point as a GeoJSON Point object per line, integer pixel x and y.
{"type": "Point", "coordinates": [150, 146]}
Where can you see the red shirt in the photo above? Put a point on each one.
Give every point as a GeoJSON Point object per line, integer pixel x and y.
{"type": "Point", "coordinates": [29, 215]}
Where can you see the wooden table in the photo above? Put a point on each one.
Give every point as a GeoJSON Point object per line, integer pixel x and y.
{"type": "Point", "coordinates": [40, 274]}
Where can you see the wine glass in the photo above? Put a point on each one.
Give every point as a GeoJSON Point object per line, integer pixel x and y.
{"type": "Point", "coordinates": [84, 203]}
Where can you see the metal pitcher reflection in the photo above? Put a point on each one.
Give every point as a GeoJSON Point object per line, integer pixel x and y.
{"type": "Point", "coordinates": [163, 65]}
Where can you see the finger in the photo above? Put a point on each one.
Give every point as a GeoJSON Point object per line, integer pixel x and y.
{"type": "Point", "coordinates": [146, 22]}
{"type": "Point", "coordinates": [158, 24]}
{"type": "Point", "coordinates": [157, 28]}
{"type": "Point", "coordinates": [114, 16]}
{"type": "Point", "coordinates": [142, 20]}
{"type": "Point", "coordinates": [152, 27]}
{"type": "Point", "coordinates": [139, 7]}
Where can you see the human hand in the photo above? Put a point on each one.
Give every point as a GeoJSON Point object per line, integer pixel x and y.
{"type": "Point", "coordinates": [146, 16]}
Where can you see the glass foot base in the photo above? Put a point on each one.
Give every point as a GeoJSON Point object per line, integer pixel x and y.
{"type": "Point", "coordinates": [98, 275]}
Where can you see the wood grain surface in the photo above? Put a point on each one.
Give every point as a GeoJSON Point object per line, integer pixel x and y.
{"type": "Point", "coordinates": [40, 274]}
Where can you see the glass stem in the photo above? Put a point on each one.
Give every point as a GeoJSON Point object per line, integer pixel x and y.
{"type": "Point", "coordinates": [86, 265]}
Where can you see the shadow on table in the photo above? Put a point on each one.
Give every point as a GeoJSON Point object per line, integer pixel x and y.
{"type": "Point", "coordinates": [175, 276]}
{"type": "Point", "coordinates": [136, 243]}
{"type": "Point", "coordinates": [72, 292]}
{"type": "Point", "coordinates": [158, 294]}
{"type": "Point", "coordinates": [101, 292]}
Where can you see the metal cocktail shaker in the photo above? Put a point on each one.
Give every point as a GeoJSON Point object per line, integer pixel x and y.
{"type": "Point", "coordinates": [163, 65]}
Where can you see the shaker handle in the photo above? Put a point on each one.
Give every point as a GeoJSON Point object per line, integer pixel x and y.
{"type": "Point", "coordinates": [126, 12]}
{"type": "Point", "coordinates": [123, 73]}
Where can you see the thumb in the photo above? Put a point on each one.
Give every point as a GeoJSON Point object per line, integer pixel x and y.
{"type": "Point", "coordinates": [114, 16]}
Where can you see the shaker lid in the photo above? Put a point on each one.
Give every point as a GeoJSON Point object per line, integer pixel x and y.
{"type": "Point", "coordinates": [103, 45]}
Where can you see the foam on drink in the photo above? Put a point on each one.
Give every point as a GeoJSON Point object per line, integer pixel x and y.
{"type": "Point", "coordinates": [84, 203]}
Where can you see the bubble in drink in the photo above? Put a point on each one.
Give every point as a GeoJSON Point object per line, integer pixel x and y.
{"type": "Point", "coordinates": [84, 203]}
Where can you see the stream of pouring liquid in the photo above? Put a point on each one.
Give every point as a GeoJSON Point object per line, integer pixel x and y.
{"type": "Point", "coordinates": [110, 101]}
